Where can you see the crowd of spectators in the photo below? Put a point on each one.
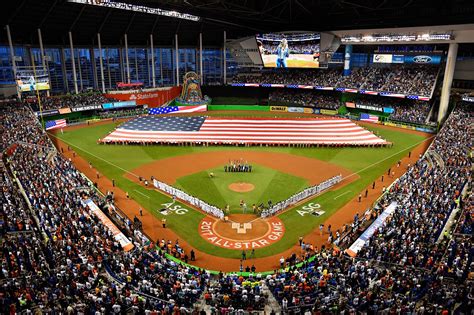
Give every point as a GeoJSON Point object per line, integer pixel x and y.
{"type": "Point", "coordinates": [407, 265]}
{"type": "Point", "coordinates": [307, 98]}
{"type": "Point", "coordinates": [58, 257]}
{"type": "Point", "coordinates": [405, 110]}
{"type": "Point", "coordinates": [59, 264]}
{"type": "Point", "coordinates": [119, 113]}
{"type": "Point", "coordinates": [229, 294]}
{"type": "Point", "coordinates": [68, 101]}
{"type": "Point", "coordinates": [418, 80]}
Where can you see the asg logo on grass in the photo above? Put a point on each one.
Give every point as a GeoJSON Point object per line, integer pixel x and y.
{"type": "Point", "coordinates": [170, 208]}
{"type": "Point", "coordinates": [311, 208]}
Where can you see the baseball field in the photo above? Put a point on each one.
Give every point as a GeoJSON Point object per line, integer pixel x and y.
{"type": "Point", "coordinates": [277, 173]}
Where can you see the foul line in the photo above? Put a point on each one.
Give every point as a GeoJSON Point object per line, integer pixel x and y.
{"type": "Point", "coordinates": [97, 157]}
{"type": "Point", "coordinates": [142, 193]}
{"type": "Point", "coordinates": [388, 157]}
{"type": "Point", "coordinates": [343, 194]}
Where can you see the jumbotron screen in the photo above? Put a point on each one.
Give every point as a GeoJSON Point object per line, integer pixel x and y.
{"type": "Point", "coordinates": [289, 50]}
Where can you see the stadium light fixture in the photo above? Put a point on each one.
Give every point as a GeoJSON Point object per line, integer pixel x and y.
{"type": "Point", "coordinates": [138, 8]}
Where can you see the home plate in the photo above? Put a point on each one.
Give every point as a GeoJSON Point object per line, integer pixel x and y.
{"type": "Point", "coordinates": [241, 227]}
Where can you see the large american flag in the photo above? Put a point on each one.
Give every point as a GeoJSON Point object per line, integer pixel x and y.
{"type": "Point", "coordinates": [199, 129]}
{"type": "Point", "coordinates": [177, 109]}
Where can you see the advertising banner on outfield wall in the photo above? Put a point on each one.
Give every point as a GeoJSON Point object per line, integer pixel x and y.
{"type": "Point", "coordinates": [154, 98]}
{"type": "Point", "coordinates": [85, 108]}
{"type": "Point", "coordinates": [278, 108]}
{"type": "Point", "coordinates": [369, 107]}
{"type": "Point", "coordinates": [65, 110]}
{"type": "Point", "coordinates": [331, 112]}
{"type": "Point", "coordinates": [49, 112]}
{"type": "Point", "coordinates": [119, 104]}
{"type": "Point", "coordinates": [296, 109]}
{"type": "Point", "coordinates": [308, 110]}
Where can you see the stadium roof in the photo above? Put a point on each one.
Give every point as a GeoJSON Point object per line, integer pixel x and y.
{"type": "Point", "coordinates": [238, 17]}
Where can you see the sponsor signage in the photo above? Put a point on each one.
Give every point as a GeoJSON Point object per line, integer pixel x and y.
{"type": "Point", "coordinates": [316, 111]}
{"type": "Point", "coordinates": [423, 59]}
{"type": "Point", "coordinates": [84, 108]}
{"type": "Point", "coordinates": [350, 105]}
{"type": "Point", "coordinates": [308, 110]}
{"type": "Point", "coordinates": [66, 110]}
{"type": "Point", "coordinates": [398, 59]}
{"type": "Point", "coordinates": [49, 112]}
{"type": "Point", "coordinates": [382, 58]}
{"type": "Point", "coordinates": [388, 110]}
{"type": "Point", "coordinates": [296, 109]}
{"type": "Point", "coordinates": [369, 107]}
{"type": "Point", "coordinates": [331, 112]}
{"type": "Point", "coordinates": [278, 108]}
{"type": "Point", "coordinates": [419, 59]}
{"type": "Point", "coordinates": [119, 104]}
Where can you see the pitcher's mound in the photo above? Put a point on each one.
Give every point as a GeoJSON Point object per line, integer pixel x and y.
{"type": "Point", "coordinates": [241, 187]}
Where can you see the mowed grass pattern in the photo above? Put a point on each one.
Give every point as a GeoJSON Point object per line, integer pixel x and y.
{"type": "Point", "coordinates": [115, 160]}
{"type": "Point", "coordinates": [269, 184]}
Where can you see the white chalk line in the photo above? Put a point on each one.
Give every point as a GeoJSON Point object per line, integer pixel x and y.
{"type": "Point", "coordinates": [146, 196]}
{"type": "Point", "coordinates": [97, 157]}
{"type": "Point", "coordinates": [343, 194]}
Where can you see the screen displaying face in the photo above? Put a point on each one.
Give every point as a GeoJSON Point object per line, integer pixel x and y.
{"type": "Point", "coordinates": [289, 50]}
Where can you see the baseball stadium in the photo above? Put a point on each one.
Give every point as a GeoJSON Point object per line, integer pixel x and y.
{"type": "Point", "coordinates": [237, 157]}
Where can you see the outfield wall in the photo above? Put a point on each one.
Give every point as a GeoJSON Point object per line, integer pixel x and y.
{"type": "Point", "coordinates": [239, 107]}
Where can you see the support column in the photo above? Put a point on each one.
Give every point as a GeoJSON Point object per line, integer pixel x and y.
{"type": "Point", "coordinates": [63, 64]}
{"type": "Point", "coordinates": [101, 64]}
{"type": "Point", "coordinates": [126, 59]}
{"type": "Point", "coordinates": [43, 60]}
{"type": "Point", "coordinates": [177, 58]}
{"type": "Point", "coordinates": [447, 81]}
{"type": "Point", "coordinates": [74, 75]}
{"type": "Point", "coordinates": [136, 65]}
{"type": "Point", "coordinates": [107, 56]}
{"type": "Point", "coordinates": [94, 68]}
{"type": "Point", "coordinates": [80, 70]}
{"type": "Point", "coordinates": [120, 53]}
{"type": "Point", "coordinates": [347, 60]}
{"type": "Point", "coordinates": [12, 57]}
{"type": "Point", "coordinates": [161, 67]}
{"type": "Point", "coordinates": [225, 59]}
{"type": "Point", "coordinates": [200, 58]}
{"type": "Point", "coordinates": [152, 61]}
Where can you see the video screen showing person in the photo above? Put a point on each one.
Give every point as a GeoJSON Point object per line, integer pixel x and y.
{"type": "Point", "coordinates": [289, 50]}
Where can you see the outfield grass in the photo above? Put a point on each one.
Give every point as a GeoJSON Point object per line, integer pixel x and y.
{"type": "Point", "coordinates": [114, 160]}
{"type": "Point", "coordinates": [269, 184]}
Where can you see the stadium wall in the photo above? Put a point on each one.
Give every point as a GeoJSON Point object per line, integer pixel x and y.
{"type": "Point", "coordinates": [239, 107]}
{"type": "Point", "coordinates": [151, 98]}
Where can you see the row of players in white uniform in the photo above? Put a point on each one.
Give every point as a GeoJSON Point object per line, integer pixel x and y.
{"type": "Point", "coordinates": [218, 213]}
{"type": "Point", "coordinates": [308, 192]}
{"type": "Point", "coordinates": [213, 210]}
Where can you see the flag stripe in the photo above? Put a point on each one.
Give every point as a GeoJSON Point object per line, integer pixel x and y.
{"type": "Point", "coordinates": [250, 130]}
